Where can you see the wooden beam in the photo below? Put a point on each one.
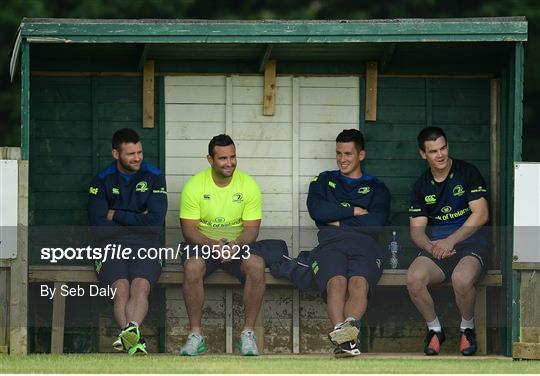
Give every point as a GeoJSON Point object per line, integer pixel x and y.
{"type": "Point", "coordinates": [142, 59]}
{"type": "Point", "coordinates": [269, 107]}
{"type": "Point", "coordinates": [148, 94]}
{"type": "Point", "coordinates": [494, 127]}
{"type": "Point", "coordinates": [18, 305]}
{"type": "Point", "coordinates": [265, 57]}
{"type": "Point", "coordinates": [480, 319]}
{"type": "Point", "coordinates": [526, 265]}
{"type": "Point", "coordinates": [371, 91]}
{"type": "Point", "coordinates": [525, 350]}
{"type": "Point", "coordinates": [58, 318]}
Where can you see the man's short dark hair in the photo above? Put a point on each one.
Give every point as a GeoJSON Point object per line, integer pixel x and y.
{"type": "Point", "coordinates": [352, 135]}
{"type": "Point", "coordinates": [124, 135]}
{"type": "Point", "coordinates": [219, 140]}
{"type": "Point", "coordinates": [429, 134]}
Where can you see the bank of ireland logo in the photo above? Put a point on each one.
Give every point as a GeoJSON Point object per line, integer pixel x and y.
{"type": "Point", "coordinates": [238, 197]}
{"type": "Point", "coordinates": [458, 190]}
{"type": "Point", "coordinates": [446, 209]}
{"type": "Point", "coordinates": [430, 199]}
{"type": "Point", "coordinates": [219, 220]}
{"type": "Point", "coordinates": [363, 190]}
{"type": "Point", "coordinates": [141, 186]}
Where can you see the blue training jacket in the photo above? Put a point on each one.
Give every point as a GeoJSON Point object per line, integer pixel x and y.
{"type": "Point", "coordinates": [138, 200]}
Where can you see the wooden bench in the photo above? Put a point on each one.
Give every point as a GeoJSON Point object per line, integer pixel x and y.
{"type": "Point", "coordinates": [172, 275]}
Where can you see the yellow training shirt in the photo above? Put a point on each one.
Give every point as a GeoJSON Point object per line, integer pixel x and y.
{"type": "Point", "coordinates": [221, 210]}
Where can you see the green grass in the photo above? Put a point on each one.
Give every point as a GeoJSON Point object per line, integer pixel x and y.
{"type": "Point", "coordinates": [104, 363]}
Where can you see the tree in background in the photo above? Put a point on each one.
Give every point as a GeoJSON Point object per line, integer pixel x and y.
{"type": "Point", "coordinates": [13, 11]}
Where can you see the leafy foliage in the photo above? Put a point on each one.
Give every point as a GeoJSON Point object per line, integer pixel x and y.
{"type": "Point", "coordinates": [13, 11]}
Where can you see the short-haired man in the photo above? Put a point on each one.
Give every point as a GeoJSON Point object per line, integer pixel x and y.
{"type": "Point", "coordinates": [450, 198]}
{"type": "Point", "coordinates": [220, 216]}
{"type": "Point", "coordinates": [349, 208]}
{"type": "Point", "coordinates": [128, 193]}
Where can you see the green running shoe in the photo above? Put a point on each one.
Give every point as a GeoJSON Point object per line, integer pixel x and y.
{"type": "Point", "coordinates": [130, 336]}
{"type": "Point", "coordinates": [139, 349]}
{"type": "Point", "coordinates": [248, 343]}
{"type": "Point", "coordinates": [195, 345]}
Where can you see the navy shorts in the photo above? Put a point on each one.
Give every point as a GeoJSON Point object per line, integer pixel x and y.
{"type": "Point", "coordinates": [112, 270]}
{"type": "Point", "coordinates": [447, 266]}
{"type": "Point", "coordinates": [343, 260]}
{"type": "Point", "coordinates": [213, 263]}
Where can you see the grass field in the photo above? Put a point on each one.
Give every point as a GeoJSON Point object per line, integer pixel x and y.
{"type": "Point", "coordinates": [366, 363]}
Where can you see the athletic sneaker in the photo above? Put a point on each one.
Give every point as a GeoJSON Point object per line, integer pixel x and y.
{"type": "Point", "coordinates": [117, 345]}
{"type": "Point", "coordinates": [248, 343]}
{"type": "Point", "coordinates": [433, 342]}
{"type": "Point", "coordinates": [345, 332]}
{"type": "Point", "coordinates": [347, 349]}
{"type": "Point", "coordinates": [128, 337]}
{"type": "Point", "coordinates": [467, 342]}
{"type": "Point", "coordinates": [139, 349]}
{"type": "Point", "coordinates": [195, 345]}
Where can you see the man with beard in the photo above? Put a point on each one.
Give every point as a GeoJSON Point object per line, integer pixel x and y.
{"type": "Point", "coordinates": [349, 207]}
{"type": "Point", "coordinates": [220, 216]}
{"type": "Point", "coordinates": [451, 198]}
{"type": "Point", "coordinates": [128, 193]}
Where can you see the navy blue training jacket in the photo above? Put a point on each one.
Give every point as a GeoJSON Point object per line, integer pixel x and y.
{"type": "Point", "coordinates": [332, 198]}
{"type": "Point", "coordinates": [145, 191]}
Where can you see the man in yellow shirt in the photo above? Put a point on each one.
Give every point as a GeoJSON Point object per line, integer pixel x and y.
{"type": "Point", "coordinates": [220, 216]}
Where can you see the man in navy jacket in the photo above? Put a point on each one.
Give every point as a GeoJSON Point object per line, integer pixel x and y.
{"type": "Point", "coordinates": [349, 208]}
{"type": "Point", "coordinates": [127, 204]}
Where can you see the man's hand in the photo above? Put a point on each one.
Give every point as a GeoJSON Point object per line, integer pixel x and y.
{"type": "Point", "coordinates": [226, 246]}
{"type": "Point", "coordinates": [442, 249]}
{"type": "Point", "coordinates": [359, 211]}
{"type": "Point", "coordinates": [110, 214]}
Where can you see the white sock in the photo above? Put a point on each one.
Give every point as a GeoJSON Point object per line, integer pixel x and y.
{"type": "Point", "coordinates": [337, 325]}
{"type": "Point", "coordinates": [467, 324]}
{"type": "Point", "coordinates": [434, 325]}
{"type": "Point", "coordinates": [350, 318]}
{"type": "Point", "coordinates": [135, 323]}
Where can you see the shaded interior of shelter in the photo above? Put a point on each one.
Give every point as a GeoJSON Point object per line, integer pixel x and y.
{"type": "Point", "coordinates": [451, 58]}
{"type": "Point", "coordinates": [73, 117]}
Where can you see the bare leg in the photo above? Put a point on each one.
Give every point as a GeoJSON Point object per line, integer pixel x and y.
{"type": "Point", "coordinates": [120, 301]}
{"type": "Point", "coordinates": [357, 302]}
{"type": "Point", "coordinates": [464, 277]}
{"type": "Point", "coordinates": [254, 289]}
{"type": "Point", "coordinates": [336, 289]}
{"type": "Point", "coordinates": [422, 273]}
{"type": "Point", "coordinates": [193, 289]}
{"type": "Point", "coordinates": [137, 306]}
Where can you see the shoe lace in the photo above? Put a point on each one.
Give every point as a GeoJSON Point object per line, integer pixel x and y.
{"type": "Point", "coordinates": [469, 335]}
{"type": "Point", "coordinates": [193, 340]}
{"type": "Point", "coordinates": [248, 339]}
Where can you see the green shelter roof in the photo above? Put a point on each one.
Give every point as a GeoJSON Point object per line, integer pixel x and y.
{"type": "Point", "coordinates": [251, 42]}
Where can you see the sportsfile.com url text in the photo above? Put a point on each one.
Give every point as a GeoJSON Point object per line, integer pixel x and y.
{"type": "Point", "coordinates": [119, 252]}
{"type": "Point", "coordinates": [109, 252]}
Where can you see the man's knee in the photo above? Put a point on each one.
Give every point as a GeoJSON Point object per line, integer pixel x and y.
{"type": "Point", "coordinates": [358, 285]}
{"type": "Point", "coordinates": [337, 282]}
{"type": "Point", "coordinates": [121, 286]}
{"type": "Point", "coordinates": [417, 280]}
{"type": "Point", "coordinates": [253, 267]}
{"type": "Point", "coordinates": [140, 287]}
{"type": "Point", "coordinates": [462, 282]}
{"type": "Point", "coordinates": [194, 270]}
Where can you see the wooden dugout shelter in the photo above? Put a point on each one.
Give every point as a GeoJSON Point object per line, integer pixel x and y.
{"type": "Point", "coordinates": [282, 90]}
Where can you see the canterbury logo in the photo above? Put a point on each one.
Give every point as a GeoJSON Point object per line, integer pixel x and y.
{"type": "Point", "coordinates": [430, 199]}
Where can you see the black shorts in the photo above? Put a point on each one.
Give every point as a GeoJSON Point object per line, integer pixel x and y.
{"type": "Point", "coordinates": [112, 270]}
{"type": "Point", "coordinates": [447, 266]}
{"type": "Point", "coordinates": [347, 260]}
{"type": "Point", "coordinates": [212, 262]}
